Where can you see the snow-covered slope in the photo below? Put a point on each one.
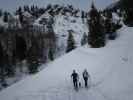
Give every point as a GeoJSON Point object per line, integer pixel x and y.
{"type": "Point", "coordinates": [64, 24]}
{"type": "Point", "coordinates": [110, 69]}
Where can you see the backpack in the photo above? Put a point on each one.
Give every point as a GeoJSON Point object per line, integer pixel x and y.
{"type": "Point", "coordinates": [85, 74]}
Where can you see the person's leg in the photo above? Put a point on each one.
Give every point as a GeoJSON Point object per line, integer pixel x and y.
{"type": "Point", "coordinates": [76, 84]}
{"type": "Point", "coordinates": [86, 82]}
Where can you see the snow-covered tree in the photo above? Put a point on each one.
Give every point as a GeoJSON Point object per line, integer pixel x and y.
{"type": "Point", "coordinates": [111, 26]}
{"type": "Point", "coordinates": [84, 39]}
{"type": "Point", "coordinates": [19, 12]}
{"type": "Point", "coordinates": [70, 43]}
{"type": "Point", "coordinates": [5, 17]}
{"type": "Point", "coordinates": [108, 21]}
{"type": "Point", "coordinates": [127, 8]}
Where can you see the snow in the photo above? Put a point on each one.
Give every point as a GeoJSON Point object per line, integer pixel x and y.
{"type": "Point", "coordinates": [27, 14]}
{"type": "Point", "coordinates": [110, 69]}
{"type": "Point", "coordinates": [13, 21]}
{"type": "Point", "coordinates": [46, 15]}
{"type": "Point", "coordinates": [64, 24]}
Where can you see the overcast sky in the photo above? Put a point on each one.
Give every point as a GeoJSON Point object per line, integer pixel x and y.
{"type": "Point", "coordinates": [11, 5]}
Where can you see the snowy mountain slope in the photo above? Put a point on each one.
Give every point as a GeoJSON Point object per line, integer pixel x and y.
{"type": "Point", "coordinates": [110, 69]}
{"type": "Point", "coordinates": [64, 24]}
{"type": "Point", "coordinates": [10, 5]}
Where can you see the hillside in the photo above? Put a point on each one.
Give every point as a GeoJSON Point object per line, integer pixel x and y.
{"type": "Point", "coordinates": [110, 69]}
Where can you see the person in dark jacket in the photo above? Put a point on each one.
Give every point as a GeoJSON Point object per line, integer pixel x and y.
{"type": "Point", "coordinates": [85, 77]}
{"type": "Point", "coordinates": [75, 78]}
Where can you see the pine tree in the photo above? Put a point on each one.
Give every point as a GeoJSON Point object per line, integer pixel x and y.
{"type": "Point", "coordinates": [19, 10]}
{"type": "Point", "coordinates": [8, 67]}
{"type": "Point", "coordinates": [108, 21]}
{"type": "Point", "coordinates": [20, 13]}
{"type": "Point", "coordinates": [83, 16]}
{"type": "Point", "coordinates": [1, 29]}
{"type": "Point", "coordinates": [70, 43]}
{"type": "Point", "coordinates": [26, 8]}
{"type": "Point", "coordinates": [5, 18]}
{"type": "Point", "coordinates": [84, 39]}
{"type": "Point", "coordinates": [48, 7]}
{"type": "Point", "coordinates": [96, 37]}
{"type": "Point", "coordinates": [33, 57]}
{"type": "Point", "coordinates": [20, 48]}
{"type": "Point", "coordinates": [127, 8]}
{"type": "Point", "coordinates": [51, 54]}
{"type": "Point", "coordinates": [1, 57]}
{"type": "Point", "coordinates": [2, 79]}
{"type": "Point", "coordinates": [2, 69]}
{"type": "Point", "coordinates": [110, 26]}
{"type": "Point", "coordinates": [32, 62]}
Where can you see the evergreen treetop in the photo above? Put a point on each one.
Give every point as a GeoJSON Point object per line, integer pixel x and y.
{"type": "Point", "coordinates": [96, 36]}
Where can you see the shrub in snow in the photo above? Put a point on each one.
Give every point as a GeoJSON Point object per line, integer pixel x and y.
{"type": "Point", "coordinates": [51, 54]}
{"type": "Point", "coordinates": [3, 82]}
{"type": "Point", "coordinates": [33, 67]}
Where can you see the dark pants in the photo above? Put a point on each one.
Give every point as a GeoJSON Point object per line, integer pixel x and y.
{"type": "Point", "coordinates": [86, 81]}
{"type": "Point", "coordinates": [75, 83]}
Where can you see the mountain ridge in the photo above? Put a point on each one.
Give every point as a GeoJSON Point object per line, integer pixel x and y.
{"type": "Point", "coordinates": [84, 5]}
